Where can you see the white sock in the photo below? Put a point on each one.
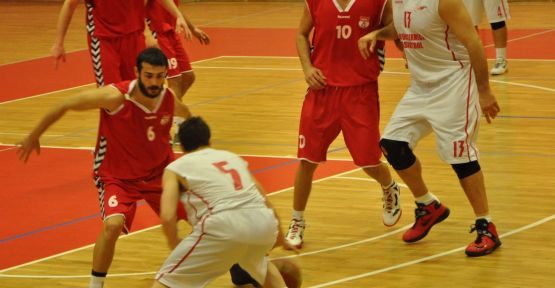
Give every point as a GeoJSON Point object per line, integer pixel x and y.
{"type": "Point", "coordinates": [501, 53]}
{"type": "Point", "coordinates": [427, 198]}
{"type": "Point", "coordinates": [97, 282]}
{"type": "Point", "coordinates": [178, 120]}
{"type": "Point", "coordinates": [486, 217]}
{"type": "Point", "coordinates": [298, 215]}
{"type": "Point", "coordinates": [389, 186]}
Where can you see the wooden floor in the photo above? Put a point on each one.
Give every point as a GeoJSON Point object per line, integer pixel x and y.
{"type": "Point", "coordinates": [253, 105]}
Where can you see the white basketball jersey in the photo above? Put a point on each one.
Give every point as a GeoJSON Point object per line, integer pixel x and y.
{"type": "Point", "coordinates": [433, 52]}
{"type": "Point", "coordinates": [218, 180]}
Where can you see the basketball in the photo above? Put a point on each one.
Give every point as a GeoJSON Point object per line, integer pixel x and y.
{"type": "Point", "coordinates": [291, 273]}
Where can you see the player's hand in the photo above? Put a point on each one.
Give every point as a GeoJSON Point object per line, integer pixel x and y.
{"type": "Point", "coordinates": [59, 54]}
{"type": "Point", "coordinates": [172, 243]}
{"type": "Point", "coordinates": [150, 41]}
{"type": "Point", "coordinates": [367, 44]}
{"type": "Point", "coordinates": [201, 36]}
{"type": "Point", "coordinates": [285, 245]}
{"type": "Point", "coordinates": [315, 78]}
{"type": "Point", "coordinates": [181, 27]}
{"type": "Point", "coordinates": [489, 105]}
{"type": "Point", "coordinates": [26, 147]}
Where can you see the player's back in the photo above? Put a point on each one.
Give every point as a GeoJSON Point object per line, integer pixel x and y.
{"type": "Point", "coordinates": [218, 181]}
{"type": "Point", "coordinates": [432, 50]}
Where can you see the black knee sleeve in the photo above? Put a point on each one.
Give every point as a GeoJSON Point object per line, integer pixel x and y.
{"type": "Point", "coordinates": [397, 153]}
{"type": "Point", "coordinates": [497, 25]}
{"type": "Point", "coordinates": [241, 277]}
{"type": "Point", "coordinates": [464, 170]}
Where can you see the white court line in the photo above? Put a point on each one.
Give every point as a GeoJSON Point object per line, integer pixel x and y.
{"type": "Point", "coordinates": [420, 260]}
{"type": "Point", "coordinates": [80, 86]}
{"type": "Point", "coordinates": [523, 37]}
{"type": "Point", "coordinates": [368, 179]}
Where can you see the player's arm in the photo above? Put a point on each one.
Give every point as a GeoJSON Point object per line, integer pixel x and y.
{"type": "Point", "coordinates": [168, 206]}
{"type": "Point", "coordinates": [64, 18]}
{"type": "Point", "coordinates": [180, 109]}
{"type": "Point", "coordinates": [106, 97]}
{"type": "Point", "coordinates": [455, 15]}
{"type": "Point", "coordinates": [367, 43]}
{"type": "Point", "coordinates": [281, 236]}
{"type": "Point", "coordinates": [180, 22]}
{"type": "Point", "coordinates": [313, 76]}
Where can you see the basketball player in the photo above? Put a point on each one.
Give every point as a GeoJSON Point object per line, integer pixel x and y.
{"type": "Point", "coordinates": [232, 220]}
{"type": "Point", "coordinates": [115, 35]}
{"type": "Point", "coordinates": [342, 97]}
{"type": "Point", "coordinates": [162, 26]}
{"type": "Point", "coordinates": [132, 147]}
{"type": "Point", "coordinates": [449, 88]}
{"type": "Point", "coordinates": [497, 12]}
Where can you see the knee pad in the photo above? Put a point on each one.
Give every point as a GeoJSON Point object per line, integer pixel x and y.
{"type": "Point", "coordinates": [397, 153]}
{"type": "Point", "coordinates": [241, 277]}
{"type": "Point", "coordinates": [497, 25]}
{"type": "Point", "coordinates": [464, 170]}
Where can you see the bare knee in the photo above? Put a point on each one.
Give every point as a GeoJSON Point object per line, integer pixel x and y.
{"type": "Point", "coordinates": [113, 226]}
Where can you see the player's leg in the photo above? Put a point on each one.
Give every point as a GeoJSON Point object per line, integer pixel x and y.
{"type": "Point", "coordinates": [406, 127]}
{"type": "Point", "coordinates": [360, 126]}
{"type": "Point", "coordinates": [117, 209]}
{"type": "Point", "coordinates": [319, 126]}
{"type": "Point", "coordinates": [105, 60]}
{"type": "Point", "coordinates": [498, 13]}
{"type": "Point", "coordinates": [456, 135]}
{"type": "Point", "coordinates": [130, 46]}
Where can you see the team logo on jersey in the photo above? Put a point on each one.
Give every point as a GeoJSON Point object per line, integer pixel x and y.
{"type": "Point", "coordinates": [165, 120]}
{"type": "Point", "coordinates": [364, 22]}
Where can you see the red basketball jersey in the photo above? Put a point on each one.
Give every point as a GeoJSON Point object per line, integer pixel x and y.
{"type": "Point", "coordinates": [160, 19]}
{"type": "Point", "coordinates": [133, 142]}
{"type": "Point", "coordinates": [114, 18]}
{"type": "Point", "coordinates": [335, 40]}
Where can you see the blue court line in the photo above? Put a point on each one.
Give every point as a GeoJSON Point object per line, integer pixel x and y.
{"type": "Point", "coordinates": [527, 117]}
{"type": "Point", "coordinates": [70, 222]}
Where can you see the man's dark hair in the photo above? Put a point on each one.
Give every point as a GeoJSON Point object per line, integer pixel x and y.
{"type": "Point", "coordinates": [152, 56]}
{"type": "Point", "coordinates": [194, 133]}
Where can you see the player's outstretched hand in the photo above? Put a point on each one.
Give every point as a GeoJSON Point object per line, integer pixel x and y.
{"type": "Point", "coordinates": [26, 147]}
{"type": "Point", "coordinates": [367, 44]}
{"type": "Point", "coordinates": [201, 36]}
{"type": "Point", "coordinates": [489, 105]}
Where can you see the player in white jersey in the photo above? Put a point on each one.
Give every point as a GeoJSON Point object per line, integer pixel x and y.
{"type": "Point", "coordinates": [448, 90]}
{"type": "Point", "coordinates": [232, 220]}
{"type": "Point", "coordinates": [497, 12]}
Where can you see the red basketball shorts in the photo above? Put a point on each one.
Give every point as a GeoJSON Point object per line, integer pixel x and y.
{"type": "Point", "coordinates": [352, 110]}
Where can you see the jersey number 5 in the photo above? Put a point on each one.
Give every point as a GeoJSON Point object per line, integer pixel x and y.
{"type": "Point", "coordinates": [234, 174]}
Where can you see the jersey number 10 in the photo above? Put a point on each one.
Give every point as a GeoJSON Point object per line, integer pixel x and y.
{"type": "Point", "coordinates": [343, 31]}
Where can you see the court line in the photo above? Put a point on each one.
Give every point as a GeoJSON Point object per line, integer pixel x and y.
{"type": "Point", "coordinates": [146, 229]}
{"type": "Point", "coordinates": [140, 203]}
{"type": "Point", "coordinates": [92, 83]}
{"type": "Point", "coordinates": [431, 257]}
{"type": "Point", "coordinates": [522, 37]}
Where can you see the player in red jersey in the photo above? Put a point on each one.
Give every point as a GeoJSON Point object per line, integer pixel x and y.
{"type": "Point", "coordinates": [162, 25]}
{"type": "Point", "coordinates": [132, 148]}
{"type": "Point", "coordinates": [115, 35]}
{"type": "Point", "coordinates": [343, 96]}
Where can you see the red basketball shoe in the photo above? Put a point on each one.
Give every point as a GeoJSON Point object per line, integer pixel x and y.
{"type": "Point", "coordinates": [487, 240]}
{"type": "Point", "coordinates": [426, 217]}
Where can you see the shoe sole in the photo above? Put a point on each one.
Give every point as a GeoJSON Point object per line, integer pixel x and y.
{"type": "Point", "coordinates": [483, 253]}
{"type": "Point", "coordinates": [400, 214]}
{"type": "Point", "coordinates": [439, 220]}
